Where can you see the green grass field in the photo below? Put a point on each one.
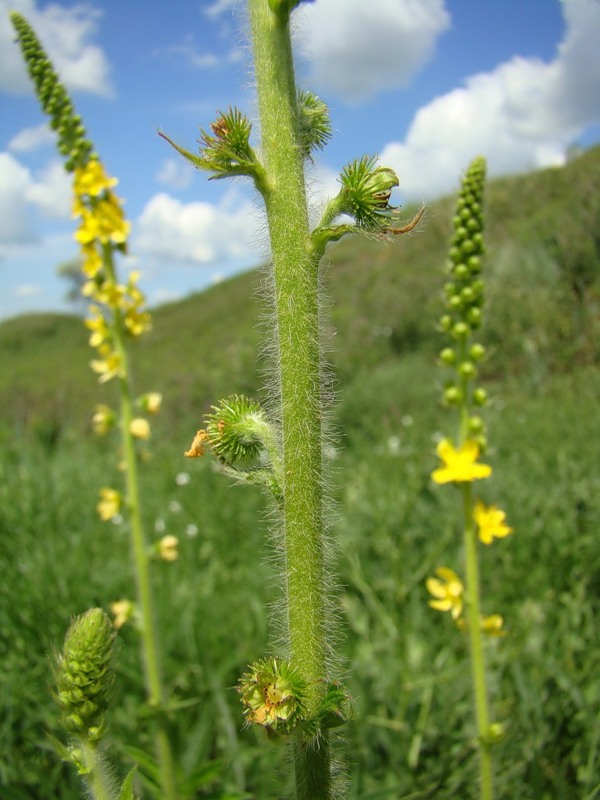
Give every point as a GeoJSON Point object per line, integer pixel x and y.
{"type": "Point", "coordinates": [406, 665]}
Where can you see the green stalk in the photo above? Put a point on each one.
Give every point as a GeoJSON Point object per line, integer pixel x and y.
{"type": "Point", "coordinates": [295, 273]}
{"type": "Point", "coordinates": [473, 613]}
{"type": "Point", "coordinates": [148, 629]}
{"type": "Point", "coordinates": [98, 780]}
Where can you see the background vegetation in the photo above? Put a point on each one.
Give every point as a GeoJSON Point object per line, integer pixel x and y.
{"type": "Point", "coordinates": [407, 665]}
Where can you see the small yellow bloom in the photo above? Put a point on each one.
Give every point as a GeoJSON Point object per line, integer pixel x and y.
{"type": "Point", "coordinates": [98, 327]}
{"type": "Point", "coordinates": [122, 611]}
{"type": "Point", "coordinates": [151, 402]}
{"type": "Point", "coordinates": [140, 428]}
{"type": "Point", "coordinates": [92, 180]}
{"type": "Point", "coordinates": [493, 625]}
{"type": "Point", "coordinates": [447, 589]}
{"type": "Point", "coordinates": [92, 260]}
{"type": "Point", "coordinates": [491, 522]}
{"type": "Point", "coordinates": [107, 367]}
{"type": "Point", "coordinates": [109, 504]}
{"type": "Point", "coordinates": [197, 447]}
{"type": "Point", "coordinates": [103, 420]}
{"type": "Point", "coordinates": [104, 223]}
{"type": "Point", "coordinates": [460, 464]}
{"type": "Point", "coordinates": [167, 548]}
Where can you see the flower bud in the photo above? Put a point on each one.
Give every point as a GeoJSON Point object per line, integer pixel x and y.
{"type": "Point", "coordinates": [452, 395]}
{"type": "Point", "coordinates": [448, 356]}
{"type": "Point", "coordinates": [84, 675]}
{"type": "Point", "coordinates": [480, 396]}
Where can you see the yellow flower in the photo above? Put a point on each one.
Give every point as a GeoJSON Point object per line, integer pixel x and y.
{"type": "Point", "coordinates": [107, 367]}
{"type": "Point", "coordinates": [460, 464]}
{"type": "Point", "coordinates": [103, 420]}
{"type": "Point", "coordinates": [91, 179]}
{"type": "Point", "coordinates": [197, 447]}
{"type": "Point", "coordinates": [109, 504]}
{"type": "Point", "coordinates": [137, 322]}
{"type": "Point", "coordinates": [98, 326]}
{"type": "Point", "coordinates": [151, 402]}
{"type": "Point", "coordinates": [491, 522]}
{"type": "Point", "coordinates": [493, 625]}
{"type": "Point", "coordinates": [92, 261]}
{"type": "Point", "coordinates": [447, 589]}
{"type": "Point", "coordinates": [105, 223]}
{"type": "Point", "coordinates": [167, 548]}
{"type": "Point", "coordinates": [122, 611]}
{"type": "Point", "coordinates": [140, 428]}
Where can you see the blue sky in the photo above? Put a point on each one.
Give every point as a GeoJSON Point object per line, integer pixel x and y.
{"type": "Point", "coordinates": [425, 84]}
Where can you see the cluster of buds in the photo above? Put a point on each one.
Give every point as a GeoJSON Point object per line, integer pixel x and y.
{"type": "Point", "coordinates": [72, 141]}
{"type": "Point", "coordinates": [464, 301]}
{"type": "Point", "coordinates": [84, 675]}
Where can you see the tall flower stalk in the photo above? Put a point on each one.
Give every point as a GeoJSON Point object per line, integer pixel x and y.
{"type": "Point", "coordinates": [116, 314]}
{"type": "Point", "coordinates": [460, 464]}
{"type": "Point", "coordinates": [295, 693]}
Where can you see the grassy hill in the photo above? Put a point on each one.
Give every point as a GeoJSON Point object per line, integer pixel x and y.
{"type": "Point", "coordinates": [384, 300]}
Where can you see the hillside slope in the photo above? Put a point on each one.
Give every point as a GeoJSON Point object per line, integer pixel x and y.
{"type": "Point", "coordinates": [542, 281]}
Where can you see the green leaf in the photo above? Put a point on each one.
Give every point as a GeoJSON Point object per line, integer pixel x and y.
{"type": "Point", "coordinates": [126, 792]}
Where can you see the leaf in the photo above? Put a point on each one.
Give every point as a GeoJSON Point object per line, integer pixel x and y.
{"type": "Point", "coordinates": [126, 792]}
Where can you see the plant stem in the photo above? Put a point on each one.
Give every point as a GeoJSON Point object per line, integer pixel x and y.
{"type": "Point", "coordinates": [145, 598]}
{"type": "Point", "coordinates": [97, 778]}
{"type": "Point", "coordinates": [295, 274]}
{"type": "Point", "coordinates": [473, 610]}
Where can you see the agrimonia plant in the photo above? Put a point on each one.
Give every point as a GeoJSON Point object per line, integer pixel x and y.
{"type": "Point", "coordinates": [296, 692]}
{"type": "Point", "coordinates": [116, 315]}
{"type": "Point", "coordinates": [459, 455]}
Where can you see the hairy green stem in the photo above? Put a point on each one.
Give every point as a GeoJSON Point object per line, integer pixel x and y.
{"type": "Point", "coordinates": [145, 598]}
{"type": "Point", "coordinates": [97, 778]}
{"type": "Point", "coordinates": [295, 273]}
{"type": "Point", "coordinates": [473, 612]}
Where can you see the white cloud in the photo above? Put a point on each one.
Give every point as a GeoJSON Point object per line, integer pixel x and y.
{"type": "Point", "coordinates": [30, 139]}
{"type": "Point", "coordinates": [21, 193]}
{"type": "Point", "coordinates": [217, 8]}
{"type": "Point", "coordinates": [175, 173]}
{"type": "Point", "coordinates": [196, 56]}
{"type": "Point", "coordinates": [197, 233]}
{"type": "Point", "coordinates": [357, 49]}
{"type": "Point", "coordinates": [28, 290]}
{"type": "Point", "coordinates": [52, 192]}
{"type": "Point", "coordinates": [522, 115]}
{"type": "Point", "coordinates": [15, 180]}
{"type": "Point", "coordinates": [65, 34]}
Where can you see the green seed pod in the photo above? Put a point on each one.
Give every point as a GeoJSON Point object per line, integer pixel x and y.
{"type": "Point", "coordinates": [237, 429]}
{"type": "Point", "coordinates": [366, 191]}
{"type": "Point", "coordinates": [273, 695]}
